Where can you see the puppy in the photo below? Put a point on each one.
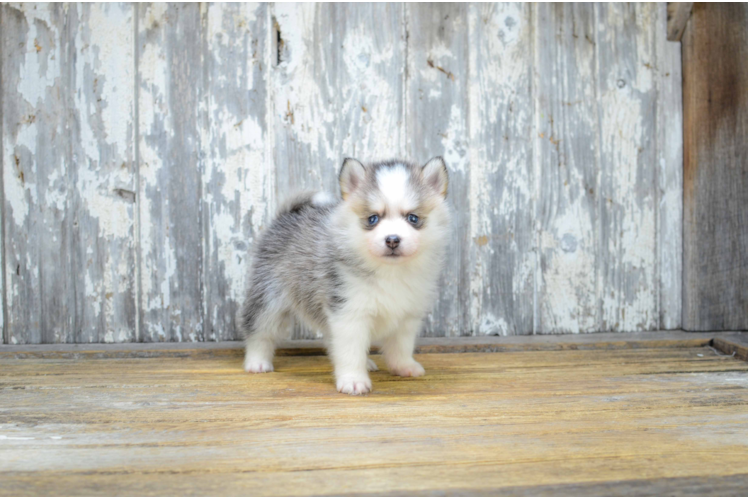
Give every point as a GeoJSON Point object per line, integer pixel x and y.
{"type": "Point", "coordinates": [360, 270]}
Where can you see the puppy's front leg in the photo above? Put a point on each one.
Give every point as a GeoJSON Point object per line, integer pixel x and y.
{"type": "Point", "coordinates": [397, 350]}
{"type": "Point", "coordinates": [349, 349]}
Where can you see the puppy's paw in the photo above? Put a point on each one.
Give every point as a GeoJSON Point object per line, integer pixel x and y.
{"type": "Point", "coordinates": [371, 365]}
{"type": "Point", "coordinates": [257, 365]}
{"type": "Point", "coordinates": [354, 384]}
{"type": "Point", "coordinates": [411, 368]}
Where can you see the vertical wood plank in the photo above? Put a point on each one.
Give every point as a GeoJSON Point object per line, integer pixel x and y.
{"type": "Point", "coordinates": [567, 150]}
{"type": "Point", "coordinates": [627, 273]}
{"type": "Point", "coordinates": [669, 174]}
{"type": "Point", "coordinates": [3, 330]}
{"type": "Point", "coordinates": [338, 92]}
{"type": "Point", "coordinates": [436, 124]}
{"type": "Point", "coordinates": [305, 104]}
{"type": "Point", "coordinates": [170, 80]}
{"type": "Point", "coordinates": [239, 180]}
{"type": "Point", "coordinates": [369, 49]}
{"type": "Point", "coordinates": [715, 176]}
{"type": "Point", "coordinates": [502, 182]}
{"type": "Point", "coordinates": [102, 204]}
{"type": "Point", "coordinates": [37, 174]}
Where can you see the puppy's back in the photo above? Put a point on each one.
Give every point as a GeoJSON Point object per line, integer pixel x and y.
{"type": "Point", "coordinates": [293, 261]}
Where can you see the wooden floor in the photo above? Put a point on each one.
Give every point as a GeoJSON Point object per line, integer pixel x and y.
{"type": "Point", "coordinates": [666, 420]}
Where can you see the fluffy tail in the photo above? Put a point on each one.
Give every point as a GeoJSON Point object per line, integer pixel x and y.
{"type": "Point", "coordinates": [297, 201]}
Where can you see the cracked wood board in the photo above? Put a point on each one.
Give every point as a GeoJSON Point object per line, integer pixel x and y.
{"type": "Point", "coordinates": [627, 239]}
{"type": "Point", "coordinates": [69, 173]}
{"type": "Point", "coordinates": [171, 88]}
{"type": "Point", "coordinates": [502, 181]}
{"type": "Point", "coordinates": [238, 182]}
{"type": "Point", "coordinates": [567, 149]}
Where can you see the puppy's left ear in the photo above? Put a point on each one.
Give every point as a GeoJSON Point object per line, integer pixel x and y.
{"type": "Point", "coordinates": [435, 175]}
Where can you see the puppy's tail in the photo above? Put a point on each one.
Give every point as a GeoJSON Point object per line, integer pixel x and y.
{"type": "Point", "coordinates": [296, 202]}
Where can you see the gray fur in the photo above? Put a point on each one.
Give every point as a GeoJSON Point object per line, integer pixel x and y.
{"type": "Point", "coordinates": [296, 267]}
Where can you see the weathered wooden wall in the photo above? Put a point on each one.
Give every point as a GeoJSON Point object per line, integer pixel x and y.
{"type": "Point", "coordinates": [715, 229]}
{"type": "Point", "coordinates": [145, 146]}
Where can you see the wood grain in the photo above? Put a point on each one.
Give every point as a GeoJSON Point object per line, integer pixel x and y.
{"type": "Point", "coordinates": [437, 124]}
{"type": "Point", "coordinates": [677, 17]}
{"type": "Point", "coordinates": [502, 179]}
{"type": "Point", "coordinates": [590, 421]}
{"type": "Point", "coordinates": [170, 85]}
{"type": "Point", "coordinates": [3, 312]}
{"type": "Point", "coordinates": [669, 126]}
{"type": "Point", "coordinates": [145, 146]}
{"type": "Point", "coordinates": [627, 251]}
{"type": "Point", "coordinates": [715, 183]}
{"type": "Point", "coordinates": [427, 345]}
{"type": "Point", "coordinates": [39, 298]}
{"type": "Point", "coordinates": [567, 151]}
{"type": "Point", "coordinates": [735, 344]}
{"type": "Point", "coordinates": [238, 182]}
{"type": "Point", "coordinates": [101, 123]}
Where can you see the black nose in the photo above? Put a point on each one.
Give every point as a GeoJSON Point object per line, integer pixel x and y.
{"type": "Point", "coordinates": [392, 241]}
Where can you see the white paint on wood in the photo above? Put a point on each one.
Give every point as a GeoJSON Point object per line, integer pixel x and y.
{"type": "Point", "coordinates": [566, 148]}
{"type": "Point", "coordinates": [103, 156]}
{"type": "Point", "coordinates": [669, 126]}
{"type": "Point", "coordinates": [627, 278]}
{"type": "Point", "coordinates": [501, 172]}
{"type": "Point", "coordinates": [238, 180]}
{"type": "Point", "coordinates": [560, 125]}
{"type": "Point", "coordinates": [171, 87]}
{"type": "Point", "coordinates": [36, 146]}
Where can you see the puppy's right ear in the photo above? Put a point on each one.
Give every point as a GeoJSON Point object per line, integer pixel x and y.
{"type": "Point", "coordinates": [351, 176]}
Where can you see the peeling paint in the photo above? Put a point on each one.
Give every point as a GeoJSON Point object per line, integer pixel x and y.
{"type": "Point", "coordinates": [568, 201]}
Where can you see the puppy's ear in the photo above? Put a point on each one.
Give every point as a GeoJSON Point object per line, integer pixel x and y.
{"type": "Point", "coordinates": [435, 175]}
{"type": "Point", "coordinates": [351, 176]}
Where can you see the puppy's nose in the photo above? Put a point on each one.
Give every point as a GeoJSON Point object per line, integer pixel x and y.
{"type": "Point", "coordinates": [392, 241]}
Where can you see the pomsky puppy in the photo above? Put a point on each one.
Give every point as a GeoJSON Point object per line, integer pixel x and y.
{"type": "Point", "coordinates": [360, 270]}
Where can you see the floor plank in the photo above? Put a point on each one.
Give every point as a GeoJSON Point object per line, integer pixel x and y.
{"type": "Point", "coordinates": [534, 422]}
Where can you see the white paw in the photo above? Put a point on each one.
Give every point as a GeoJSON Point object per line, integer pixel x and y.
{"type": "Point", "coordinates": [257, 365]}
{"type": "Point", "coordinates": [354, 384]}
{"type": "Point", "coordinates": [371, 365]}
{"type": "Point", "coordinates": [410, 369]}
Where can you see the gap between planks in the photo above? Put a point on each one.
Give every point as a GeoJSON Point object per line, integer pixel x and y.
{"type": "Point", "coordinates": [731, 343]}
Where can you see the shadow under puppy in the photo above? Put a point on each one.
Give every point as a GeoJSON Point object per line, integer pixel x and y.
{"type": "Point", "coordinates": [360, 270]}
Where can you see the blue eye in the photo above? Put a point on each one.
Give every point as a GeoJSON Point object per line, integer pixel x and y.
{"type": "Point", "coordinates": [373, 219]}
{"type": "Point", "coordinates": [413, 218]}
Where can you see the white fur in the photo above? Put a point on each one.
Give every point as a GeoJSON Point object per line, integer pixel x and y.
{"type": "Point", "coordinates": [388, 308]}
{"type": "Point", "coordinates": [322, 199]}
{"type": "Point", "coordinates": [393, 184]}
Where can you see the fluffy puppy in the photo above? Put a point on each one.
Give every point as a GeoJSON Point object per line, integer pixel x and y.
{"type": "Point", "coordinates": [360, 270]}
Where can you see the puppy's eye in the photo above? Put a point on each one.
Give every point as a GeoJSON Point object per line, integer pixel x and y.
{"type": "Point", "coordinates": [373, 219]}
{"type": "Point", "coordinates": [413, 218]}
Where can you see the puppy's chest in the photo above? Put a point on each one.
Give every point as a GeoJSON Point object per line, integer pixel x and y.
{"type": "Point", "coordinates": [391, 299]}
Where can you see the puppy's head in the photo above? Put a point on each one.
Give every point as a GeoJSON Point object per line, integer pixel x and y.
{"type": "Point", "coordinates": [395, 210]}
